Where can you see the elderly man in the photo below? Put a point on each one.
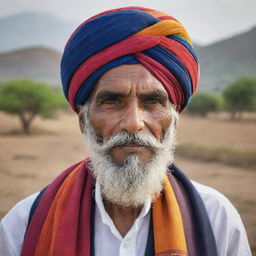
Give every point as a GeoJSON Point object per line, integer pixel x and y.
{"type": "Point", "coordinates": [127, 73]}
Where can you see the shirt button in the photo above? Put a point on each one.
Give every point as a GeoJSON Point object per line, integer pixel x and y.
{"type": "Point", "coordinates": [125, 245]}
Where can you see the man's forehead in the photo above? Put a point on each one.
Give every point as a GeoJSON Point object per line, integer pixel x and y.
{"type": "Point", "coordinates": [125, 78]}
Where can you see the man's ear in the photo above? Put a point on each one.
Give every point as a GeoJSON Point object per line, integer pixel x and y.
{"type": "Point", "coordinates": [81, 118]}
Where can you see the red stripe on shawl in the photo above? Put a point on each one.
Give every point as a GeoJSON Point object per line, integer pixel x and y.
{"type": "Point", "coordinates": [46, 244]}
{"type": "Point", "coordinates": [168, 80]}
{"type": "Point", "coordinates": [41, 212]}
{"type": "Point", "coordinates": [76, 209]}
{"type": "Point", "coordinates": [185, 57]}
{"type": "Point", "coordinates": [84, 221]}
{"type": "Point", "coordinates": [128, 46]}
{"type": "Point", "coordinates": [70, 209]}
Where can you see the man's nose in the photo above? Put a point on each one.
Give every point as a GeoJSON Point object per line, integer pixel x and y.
{"type": "Point", "coordinates": [132, 119]}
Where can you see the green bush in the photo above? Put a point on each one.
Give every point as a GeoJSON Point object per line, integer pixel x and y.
{"type": "Point", "coordinates": [27, 99]}
{"type": "Point", "coordinates": [203, 103]}
{"type": "Point", "coordinates": [240, 96]}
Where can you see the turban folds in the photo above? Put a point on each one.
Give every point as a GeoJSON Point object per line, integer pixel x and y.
{"type": "Point", "coordinates": [130, 35]}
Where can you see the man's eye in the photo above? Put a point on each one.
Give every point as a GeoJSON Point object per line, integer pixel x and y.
{"type": "Point", "coordinates": [152, 102]}
{"type": "Point", "coordinates": [110, 101]}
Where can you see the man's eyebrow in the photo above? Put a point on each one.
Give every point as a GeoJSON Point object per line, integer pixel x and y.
{"type": "Point", "coordinates": [156, 94]}
{"type": "Point", "coordinates": [109, 95]}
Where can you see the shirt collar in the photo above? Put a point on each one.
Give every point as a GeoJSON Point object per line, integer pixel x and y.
{"type": "Point", "coordinates": [106, 218]}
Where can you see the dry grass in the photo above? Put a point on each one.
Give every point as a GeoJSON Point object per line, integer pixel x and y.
{"type": "Point", "coordinates": [218, 131]}
{"type": "Point", "coordinates": [225, 155]}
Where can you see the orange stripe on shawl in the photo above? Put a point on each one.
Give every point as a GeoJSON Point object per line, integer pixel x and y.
{"type": "Point", "coordinates": [48, 235]}
{"type": "Point", "coordinates": [168, 228]}
{"type": "Point", "coordinates": [166, 28]}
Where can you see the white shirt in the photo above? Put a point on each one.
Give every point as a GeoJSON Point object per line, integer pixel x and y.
{"type": "Point", "coordinates": [227, 227]}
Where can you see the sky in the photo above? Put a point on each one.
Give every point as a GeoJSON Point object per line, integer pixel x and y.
{"type": "Point", "coordinates": [207, 21]}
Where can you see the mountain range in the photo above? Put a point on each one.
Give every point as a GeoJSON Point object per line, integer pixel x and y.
{"type": "Point", "coordinates": [224, 61]}
{"type": "Point", "coordinates": [37, 63]}
{"type": "Point", "coordinates": [29, 29]}
{"type": "Point", "coordinates": [31, 43]}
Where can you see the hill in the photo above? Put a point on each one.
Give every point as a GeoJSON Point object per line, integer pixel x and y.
{"type": "Point", "coordinates": [226, 60]}
{"type": "Point", "coordinates": [29, 29]}
{"type": "Point", "coordinates": [38, 63]}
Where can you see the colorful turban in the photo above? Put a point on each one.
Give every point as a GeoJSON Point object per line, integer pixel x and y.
{"type": "Point", "coordinates": [130, 35]}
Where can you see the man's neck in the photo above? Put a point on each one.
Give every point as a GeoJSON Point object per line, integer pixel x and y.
{"type": "Point", "coordinates": [123, 218]}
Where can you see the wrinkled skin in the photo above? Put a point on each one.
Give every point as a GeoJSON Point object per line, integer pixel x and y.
{"type": "Point", "coordinates": [129, 98]}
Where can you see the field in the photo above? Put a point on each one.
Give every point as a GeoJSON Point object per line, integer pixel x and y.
{"type": "Point", "coordinates": [28, 163]}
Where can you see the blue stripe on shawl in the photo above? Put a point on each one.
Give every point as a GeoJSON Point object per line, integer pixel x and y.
{"type": "Point", "coordinates": [206, 243]}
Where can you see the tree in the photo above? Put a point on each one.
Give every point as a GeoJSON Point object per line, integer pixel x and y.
{"type": "Point", "coordinates": [27, 99]}
{"type": "Point", "coordinates": [240, 96]}
{"type": "Point", "coordinates": [203, 103]}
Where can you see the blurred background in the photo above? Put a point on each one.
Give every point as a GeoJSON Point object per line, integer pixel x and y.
{"type": "Point", "coordinates": [40, 136]}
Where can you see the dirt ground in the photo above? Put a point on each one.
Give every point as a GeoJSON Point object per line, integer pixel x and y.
{"type": "Point", "coordinates": [28, 163]}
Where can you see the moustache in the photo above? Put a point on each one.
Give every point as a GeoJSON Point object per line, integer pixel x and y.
{"type": "Point", "coordinates": [121, 138]}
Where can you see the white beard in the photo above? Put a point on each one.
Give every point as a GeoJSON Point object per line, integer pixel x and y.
{"type": "Point", "coordinates": [134, 182]}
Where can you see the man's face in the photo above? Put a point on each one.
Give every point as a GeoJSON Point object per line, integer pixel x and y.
{"type": "Point", "coordinates": [129, 98]}
{"type": "Point", "coordinates": [131, 135]}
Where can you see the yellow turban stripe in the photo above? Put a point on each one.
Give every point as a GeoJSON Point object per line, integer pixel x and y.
{"type": "Point", "coordinates": [157, 14]}
{"type": "Point", "coordinates": [166, 28]}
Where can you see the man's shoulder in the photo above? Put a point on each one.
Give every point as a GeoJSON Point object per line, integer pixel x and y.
{"type": "Point", "coordinates": [213, 199]}
{"type": "Point", "coordinates": [22, 208]}
{"type": "Point", "coordinates": [17, 217]}
{"type": "Point", "coordinates": [226, 222]}
{"type": "Point", "coordinates": [207, 192]}
{"type": "Point", "coordinates": [13, 226]}
{"type": "Point", "coordinates": [218, 206]}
